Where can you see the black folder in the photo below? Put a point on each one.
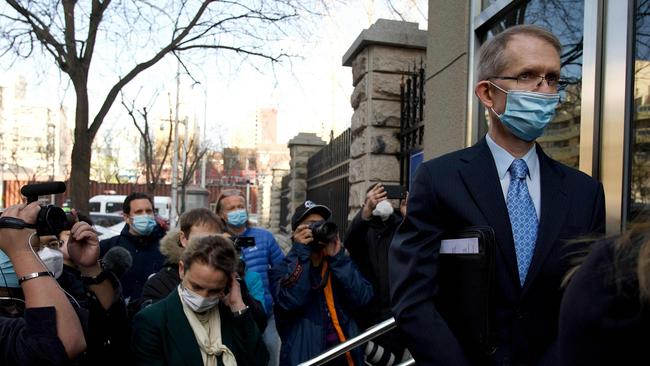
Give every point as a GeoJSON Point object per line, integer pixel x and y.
{"type": "Point", "coordinates": [466, 288]}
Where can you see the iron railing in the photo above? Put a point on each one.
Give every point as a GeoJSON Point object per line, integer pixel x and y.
{"type": "Point", "coordinates": [411, 133]}
{"type": "Point", "coordinates": [327, 178]}
{"type": "Point", "coordinates": [368, 335]}
{"type": "Point", "coordinates": [284, 202]}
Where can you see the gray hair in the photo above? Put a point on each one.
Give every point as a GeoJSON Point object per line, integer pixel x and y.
{"type": "Point", "coordinates": [492, 60]}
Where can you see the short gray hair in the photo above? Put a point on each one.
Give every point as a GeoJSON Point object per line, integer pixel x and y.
{"type": "Point", "coordinates": [491, 55]}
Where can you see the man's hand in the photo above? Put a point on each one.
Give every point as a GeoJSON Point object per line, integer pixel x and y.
{"type": "Point", "coordinates": [373, 197]}
{"type": "Point", "coordinates": [83, 245]}
{"type": "Point", "coordinates": [14, 240]}
{"type": "Point", "coordinates": [303, 235]}
{"type": "Point", "coordinates": [334, 247]}
{"type": "Point", "coordinates": [402, 204]}
{"type": "Point", "coordinates": [234, 299]}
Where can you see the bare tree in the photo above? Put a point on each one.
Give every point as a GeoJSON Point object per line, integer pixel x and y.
{"type": "Point", "coordinates": [155, 153]}
{"type": "Point", "coordinates": [140, 33]}
{"type": "Point", "coordinates": [192, 155]}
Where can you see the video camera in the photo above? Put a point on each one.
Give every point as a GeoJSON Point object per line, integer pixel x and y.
{"type": "Point", "coordinates": [323, 232]}
{"type": "Point", "coordinates": [51, 219]}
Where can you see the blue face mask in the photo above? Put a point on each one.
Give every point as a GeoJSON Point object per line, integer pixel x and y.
{"type": "Point", "coordinates": [528, 113]}
{"type": "Point", "coordinates": [144, 224]}
{"type": "Point", "coordinates": [237, 218]}
{"type": "Point", "coordinates": [8, 276]}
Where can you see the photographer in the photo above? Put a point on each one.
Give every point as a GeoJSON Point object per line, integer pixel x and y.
{"type": "Point", "coordinates": [315, 288]}
{"type": "Point", "coordinates": [368, 241]}
{"type": "Point", "coordinates": [50, 332]}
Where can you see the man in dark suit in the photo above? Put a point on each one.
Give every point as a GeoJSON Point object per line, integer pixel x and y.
{"type": "Point", "coordinates": [533, 203]}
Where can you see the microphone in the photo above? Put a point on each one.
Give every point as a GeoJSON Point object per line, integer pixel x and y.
{"type": "Point", "coordinates": [32, 191]}
{"type": "Point", "coordinates": [117, 260]}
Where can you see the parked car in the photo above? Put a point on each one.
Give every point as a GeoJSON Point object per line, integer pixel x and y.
{"type": "Point", "coordinates": [112, 204]}
{"type": "Point", "coordinates": [106, 220]}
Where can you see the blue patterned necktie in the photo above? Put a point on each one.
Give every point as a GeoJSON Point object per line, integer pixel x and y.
{"type": "Point", "coordinates": [523, 217]}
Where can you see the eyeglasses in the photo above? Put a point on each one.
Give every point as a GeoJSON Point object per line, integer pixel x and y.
{"type": "Point", "coordinates": [529, 81]}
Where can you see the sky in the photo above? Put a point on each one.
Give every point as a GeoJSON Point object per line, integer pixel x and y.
{"type": "Point", "coordinates": [311, 92]}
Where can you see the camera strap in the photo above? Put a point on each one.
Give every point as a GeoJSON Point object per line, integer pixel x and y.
{"type": "Point", "coordinates": [14, 223]}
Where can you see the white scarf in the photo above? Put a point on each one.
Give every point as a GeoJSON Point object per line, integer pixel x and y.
{"type": "Point", "coordinates": [209, 337]}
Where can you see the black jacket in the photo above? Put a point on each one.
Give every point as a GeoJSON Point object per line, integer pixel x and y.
{"type": "Point", "coordinates": [602, 322]}
{"type": "Point", "coordinates": [368, 243]}
{"type": "Point", "coordinates": [146, 255]}
{"type": "Point", "coordinates": [32, 339]}
{"type": "Point", "coordinates": [108, 331]}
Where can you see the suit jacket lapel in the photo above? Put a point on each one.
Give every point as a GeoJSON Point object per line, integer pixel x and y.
{"type": "Point", "coordinates": [180, 331]}
{"type": "Point", "coordinates": [480, 177]}
{"type": "Point", "coordinates": [553, 214]}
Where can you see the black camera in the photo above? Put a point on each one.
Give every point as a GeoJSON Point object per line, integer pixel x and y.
{"type": "Point", "coordinates": [323, 232]}
{"type": "Point", "coordinates": [51, 219]}
{"type": "Point", "coordinates": [243, 242]}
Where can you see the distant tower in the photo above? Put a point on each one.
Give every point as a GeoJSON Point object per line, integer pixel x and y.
{"type": "Point", "coordinates": [267, 123]}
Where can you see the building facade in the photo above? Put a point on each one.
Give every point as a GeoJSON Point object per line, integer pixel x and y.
{"type": "Point", "coordinates": [603, 122]}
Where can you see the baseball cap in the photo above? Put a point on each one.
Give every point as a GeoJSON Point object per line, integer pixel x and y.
{"type": "Point", "coordinates": [307, 208]}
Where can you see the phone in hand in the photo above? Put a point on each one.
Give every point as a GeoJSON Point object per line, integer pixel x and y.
{"type": "Point", "coordinates": [395, 192]}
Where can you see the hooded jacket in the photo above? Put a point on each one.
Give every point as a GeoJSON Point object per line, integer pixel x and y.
{"type": "Point", "coordinates": [165, 281]}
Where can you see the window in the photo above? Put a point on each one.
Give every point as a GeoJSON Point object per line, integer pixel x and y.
{"type": "Point", "coordinates": [639, 165]}
{"type": "Point", "coordinates": [565, 20]}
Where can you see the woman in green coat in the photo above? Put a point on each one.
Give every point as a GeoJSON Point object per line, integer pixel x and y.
{"type": "Point", "coordinates": [204, 321]}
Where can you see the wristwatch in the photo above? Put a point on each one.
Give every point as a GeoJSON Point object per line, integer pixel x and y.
{"type": "Point", "coordinates": [101, 277]}
{"type": "Point", "coordinates": [240, 312]}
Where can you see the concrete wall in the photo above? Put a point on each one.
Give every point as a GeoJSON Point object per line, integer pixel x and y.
{"type": "Point", "coordinates": [447, 68]}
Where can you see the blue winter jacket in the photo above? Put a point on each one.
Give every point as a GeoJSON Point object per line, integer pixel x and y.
{"type": "Point", "coordinates": [300, 307]}
{"type": "Point", "coordinates": [261, 257]}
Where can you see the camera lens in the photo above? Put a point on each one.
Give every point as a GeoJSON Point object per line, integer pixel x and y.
{"type": "Point", "coordinates": [50, 221]}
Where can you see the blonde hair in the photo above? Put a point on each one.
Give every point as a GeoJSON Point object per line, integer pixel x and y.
{"type": "Point", "coordinates": [492, 57]}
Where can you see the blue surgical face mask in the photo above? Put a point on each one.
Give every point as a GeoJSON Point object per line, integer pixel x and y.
{"type": "Point", "coordinates": [144, 224]}
{"type": "Point", "coordinates": [8, 276]}
{"type": "Point", "coordinates": [237, 218]}
{"type": "Point", "coordinates": [527, 113]}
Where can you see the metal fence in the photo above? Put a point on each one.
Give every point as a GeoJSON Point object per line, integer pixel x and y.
{"type": "Point", "coordinates": [411, 133]}
{"type": "Point", "coordinates": [327, 178]}
{"type": "Point", "coordinates": [284, 202]}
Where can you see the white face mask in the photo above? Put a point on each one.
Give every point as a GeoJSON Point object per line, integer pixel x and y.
{"type": "Point", "coordinates": [53, 260]}
{"type": "Point", "coordinates": [383, 209]}
{"type": "Point", "coordinates": [196, 302]}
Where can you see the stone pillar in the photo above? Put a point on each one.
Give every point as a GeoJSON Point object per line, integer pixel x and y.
{"type": "Point", "coordinates": [301, 148]}
{"type": "Point", "coordinates": [264, 182]}
{"type": "Point", "coordinates": [277, 173]}
{"type": "Point", "coordinates": [379, 58]}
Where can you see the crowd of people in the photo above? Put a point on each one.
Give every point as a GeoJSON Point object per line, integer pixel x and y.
{"type": "Point", "coordinates": [218, 290]}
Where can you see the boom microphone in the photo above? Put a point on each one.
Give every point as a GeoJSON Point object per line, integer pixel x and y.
{"type": "Point", "coordinates": [32, 191]}
{"type": "Point", "coordinates": [117, 260]}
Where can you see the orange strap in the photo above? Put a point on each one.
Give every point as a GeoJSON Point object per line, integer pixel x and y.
{"type": "Point", "coordinates": [329, 299]}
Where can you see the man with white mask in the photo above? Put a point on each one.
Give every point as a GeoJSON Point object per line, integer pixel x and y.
{"type": "Point", "coordinates": [368, 239]}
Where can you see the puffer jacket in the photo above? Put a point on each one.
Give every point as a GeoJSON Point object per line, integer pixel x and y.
{"type": "Point", "coordinates": [300, 307]}
{"type": "Point", "coordinates": [261, 257]}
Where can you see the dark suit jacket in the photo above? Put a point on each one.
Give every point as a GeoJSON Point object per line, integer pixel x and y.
{"type": "Point", "coordinates": [462, 189]}
{"type": "Point", "coordinates": [162, 336]}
